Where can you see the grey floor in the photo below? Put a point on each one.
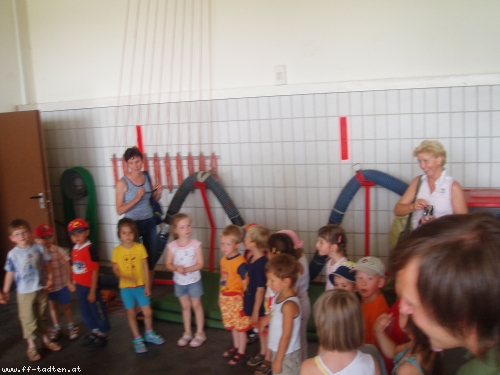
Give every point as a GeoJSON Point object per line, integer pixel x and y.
{"type": "Point", "coordinates": [119, 357]}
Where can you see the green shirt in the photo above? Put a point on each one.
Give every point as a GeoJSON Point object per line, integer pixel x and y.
{"type": "Point", "coordinates": [479, 366]}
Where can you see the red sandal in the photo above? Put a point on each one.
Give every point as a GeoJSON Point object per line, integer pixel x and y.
{"type": "Point", "coordinates": [238, 359]}
{"type": "Point", "coordinates": [229, 353]}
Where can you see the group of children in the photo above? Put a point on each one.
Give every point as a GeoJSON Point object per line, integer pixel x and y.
{"type": "Point", "coordinates": [43, 272]}
{"type": "Point", "coordinates": [265, 289]}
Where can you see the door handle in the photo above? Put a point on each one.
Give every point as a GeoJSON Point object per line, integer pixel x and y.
{"type": "Point", "coordinates": [40, 198]}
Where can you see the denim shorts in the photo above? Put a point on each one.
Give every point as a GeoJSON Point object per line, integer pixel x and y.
{"type": "Point", "coordinates": [132, 295]}
{"type": "Point", "coordinates": [194, 290]}
{"type": "Point", "coordinates": [63, 296]}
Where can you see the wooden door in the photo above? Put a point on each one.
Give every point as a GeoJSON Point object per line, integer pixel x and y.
{"type": "Point", "coordinates": [24, 183]}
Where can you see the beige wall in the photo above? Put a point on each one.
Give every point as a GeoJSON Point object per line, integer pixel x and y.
{"type": "Point", "coordinates": [76, 47]}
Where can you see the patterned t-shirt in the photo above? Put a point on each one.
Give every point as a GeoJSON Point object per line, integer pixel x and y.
{"type": "Point", "coordinates": [28, 265]}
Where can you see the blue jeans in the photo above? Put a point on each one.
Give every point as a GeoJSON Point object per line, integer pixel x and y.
{"type": "Point", "coordinates": [147, 230]}
{"type": "Point", "coordinates": [93, 314]}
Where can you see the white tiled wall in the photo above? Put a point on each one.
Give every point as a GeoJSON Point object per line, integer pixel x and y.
{"type": "Point", "coordinates": [279, 157]}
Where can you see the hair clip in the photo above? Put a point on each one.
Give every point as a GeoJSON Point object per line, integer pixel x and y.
{"type": "Point", "coordinates": [275, 251]}
{"type": "Point", "coordinates": [339, 239]}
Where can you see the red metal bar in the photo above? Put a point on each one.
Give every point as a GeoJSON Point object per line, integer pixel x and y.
{"type": "Point", "coordinates": [124, 166]}
{"type": "Point", "coordinates": [178, 164]}
{"type": "Point", "coordinates": [145, 162]}
{"type": "Point", "coordinates": [140, 145]}
{"type": "Point", "coordinates": [366, 184]}
{"type": "Point", "coordinates": [163, 282]}
{"type": "Point", "coordinates": [115, 168]}
{"type": "Point", "coordinates": [168, 173]}
{"type": "Point", "coordinates": [202, 165]}
{"type": "Point", "coordinates": [190, 164]}
{"type": "Point", "coordinates": [213, 164]}
{"type": "Point", "coordinates": [156, 167]}
{"type": "Point", "coordinates": [202, 187]}
{"type": "Point", "coordinates": [344, 141]}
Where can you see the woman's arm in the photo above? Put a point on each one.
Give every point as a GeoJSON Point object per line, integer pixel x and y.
{"type": "Point", "coordinates": [157, 189]}
{"type": "Point", "coordinates": [406, 205]}
{"type": "Point", "coordinates": [458, 201]}
{"type": "Point", "coordinates": [121, 188]}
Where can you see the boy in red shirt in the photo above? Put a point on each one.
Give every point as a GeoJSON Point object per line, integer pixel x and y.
{"type": "Point", "coordinates": [370, 279]}
{"type": "Point", "coordinates": [85, 275]}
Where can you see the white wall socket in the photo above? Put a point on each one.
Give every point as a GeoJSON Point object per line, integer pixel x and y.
{"type": "Point", "coordinates": [280, 75]}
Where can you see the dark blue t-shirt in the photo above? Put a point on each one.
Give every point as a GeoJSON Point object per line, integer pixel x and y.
{"type": "Point", "coordinates": [256, 279]}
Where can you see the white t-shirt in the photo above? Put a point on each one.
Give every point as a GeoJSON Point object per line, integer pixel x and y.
{"type": "Point", "coordinates": [186, 257]}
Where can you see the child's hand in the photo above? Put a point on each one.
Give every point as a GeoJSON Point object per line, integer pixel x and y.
{"type": "Point", "coordinates": [255, 317]}
{"type": "Point", "coordinates": [48, 284]}
{"type": "Point", "coordinates": [91, 297]}
{"type": "Point", "coordinates": [382, 322]}
{"type": "Point", "coordinates": [4, 297]}
{"type": "Point", "coordinates": [71, 286]}
{"type": "Point", "coordinates": [276, 367]}
{"type": "Point", "coordinates": [147, 291]}
{"type": "Point", "coordinates": [181, 270]}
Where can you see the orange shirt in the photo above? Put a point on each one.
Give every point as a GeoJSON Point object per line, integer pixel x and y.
{"type": "Point", "coordinates": [233, 274]}
{"type": "Point", "coordinates": [371, 311]}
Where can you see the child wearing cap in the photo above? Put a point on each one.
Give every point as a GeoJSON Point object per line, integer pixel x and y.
{"type": "Point", "coordinates": [85, 275]}
{"type": "Point", "coordinates": [59, 293]}
{"type": "Point", "coordinates": [344, 277]}
{"type": "Point", "coordinates": [370, 279]}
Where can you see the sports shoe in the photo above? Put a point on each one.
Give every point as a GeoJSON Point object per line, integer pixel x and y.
{"type": "Point", "coordinates": [98, 343]}
{"type": "Point", "coordinates": [88, 339]}
{"type": "Point", "coordinates": [153, 338]}
{"type": "Point", "coordinates": [184, 340]}
{"type": "Point", "coordinates": [139, 345]}
{"type": "Point", "coordinates": [199, 339]}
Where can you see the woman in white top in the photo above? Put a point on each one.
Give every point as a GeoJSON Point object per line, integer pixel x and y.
{"type": "Point", "coordinates": [437, 187]}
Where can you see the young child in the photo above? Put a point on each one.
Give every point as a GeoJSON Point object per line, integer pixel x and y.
{"type": "Point", "coordinates": [85, 275]}
{"type": "Point", "coordinates": [284, 328]}
{"type": "Point", "coordinates": [415, 356]}
{"type": "Point", "coordinates": [233, 269]}
{"type": "Point", "coordinates": [62, 283]}
{"type": "Point", "coordinates": [185, 259]}
{"type": "Point", "coordinates": [339, 323]}
{"type": "Point", "coordinates": [301, 287]}
{"type": "Point", "coordinates": [29, 265]}
{"type": "Point", "coordinates": [344, 277]}
{"type": "Point", "coordinates": [256, 242]}
{"type": "Point", "coordinates": [370, 278]}
{"type": "Point", "coordinates": [332, 242]}
{"type": "Point", "coordinates": [130, 265]}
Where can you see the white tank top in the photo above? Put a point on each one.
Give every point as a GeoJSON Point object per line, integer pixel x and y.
{"type": "Point", "coordinates": [276, 326]}
{"type": "Point", "coordinates": [362, 364]}
{"type": "Point", "coordinates": [440, 197]}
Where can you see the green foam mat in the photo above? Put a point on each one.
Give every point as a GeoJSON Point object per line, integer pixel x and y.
{"type": "Point", "coordinates": [168, 307]}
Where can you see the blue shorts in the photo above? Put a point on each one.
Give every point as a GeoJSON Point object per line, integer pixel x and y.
{"type": "Point", "coordinates": [132, 295]}
{"type": "Point", "coordinates": [63, 296]}
{"type": "Point", "coordinates": [194, 290]}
